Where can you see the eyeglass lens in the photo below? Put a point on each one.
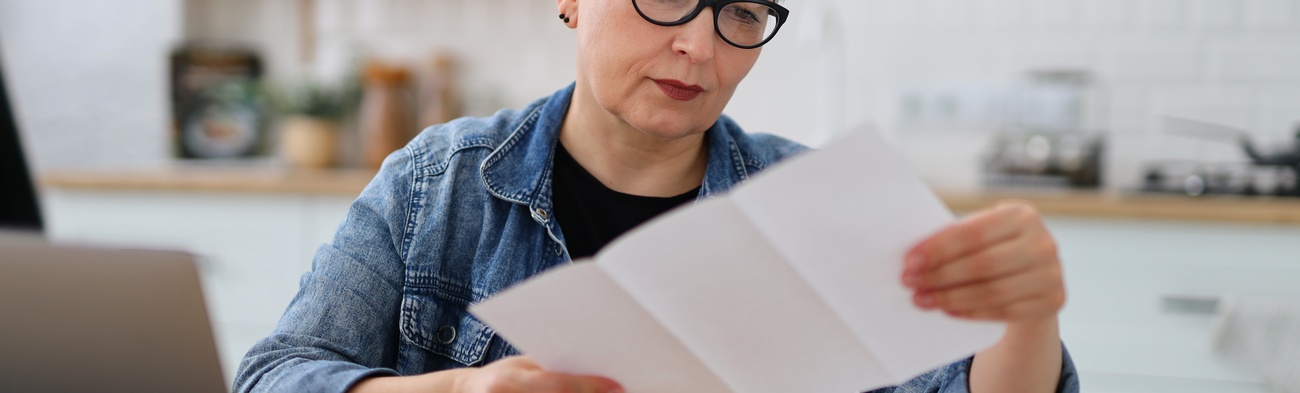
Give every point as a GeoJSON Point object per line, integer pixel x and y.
{"type": "Point", "coordinates": [741, 23]}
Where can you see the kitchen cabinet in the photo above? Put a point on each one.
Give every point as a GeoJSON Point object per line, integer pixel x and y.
{"type": "Point", "coordinates": [1120, 275]}
{"type": "Point", "coordinates": [252, 247]}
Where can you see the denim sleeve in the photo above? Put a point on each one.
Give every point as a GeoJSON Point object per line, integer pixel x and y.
{"type": "Point", "coordinates": [342, 325]}
{"type": "Point", "coordinates": [955, 378]}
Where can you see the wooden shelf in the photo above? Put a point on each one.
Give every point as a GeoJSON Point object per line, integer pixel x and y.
{"type": "Point", "coordinates": [1138, 206]}
{"type": "Point", "coordinates": [350, 182]}
{"type": "Point", "coordinates": [217, 179]}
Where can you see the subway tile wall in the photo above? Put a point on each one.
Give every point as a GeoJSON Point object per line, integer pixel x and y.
{"type": "Point", "coordinates": [1235, 62]}
{"type": "Point", "coordinates": [87, 80]}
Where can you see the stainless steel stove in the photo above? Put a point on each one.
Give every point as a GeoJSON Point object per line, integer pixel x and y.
{"type": "Point", "coordinates": [1199, 178]}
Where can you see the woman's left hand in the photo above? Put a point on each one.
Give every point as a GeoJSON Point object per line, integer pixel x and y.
{"type": "Point", "coordinates": [999, 264]}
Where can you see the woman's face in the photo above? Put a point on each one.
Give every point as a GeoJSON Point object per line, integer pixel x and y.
{"type": "Point", "coordinates": [668, 82]}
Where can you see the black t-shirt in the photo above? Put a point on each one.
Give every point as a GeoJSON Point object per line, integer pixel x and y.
{"type": "Point", "coordinates": [591, 215]}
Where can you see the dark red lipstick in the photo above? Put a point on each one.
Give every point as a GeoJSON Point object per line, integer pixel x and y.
{"type": "Point", "coordinates": [678, 90]}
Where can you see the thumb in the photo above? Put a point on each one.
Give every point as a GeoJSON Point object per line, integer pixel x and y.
{"type": "Point", "coordinates": [591, 384]}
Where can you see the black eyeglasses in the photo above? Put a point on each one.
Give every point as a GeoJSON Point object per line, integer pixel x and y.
{"type": "Point", "coordinates": [745, 24]}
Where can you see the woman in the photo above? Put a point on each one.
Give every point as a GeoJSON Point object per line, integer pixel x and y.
{"type": "Point", "coordinates": [471, 207]}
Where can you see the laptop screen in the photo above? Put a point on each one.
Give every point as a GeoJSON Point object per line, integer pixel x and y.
{"type": "Point", "coordinates": [18, 204]}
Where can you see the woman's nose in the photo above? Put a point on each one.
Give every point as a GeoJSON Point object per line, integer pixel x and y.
{"type": "Point", "coordinates": [695, 39]}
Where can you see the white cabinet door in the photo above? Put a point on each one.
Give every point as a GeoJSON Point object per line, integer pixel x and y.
{"type": "Point", "coordinates": [1118, 273]}
{"type": "Point", "coordinates": [252, 247]}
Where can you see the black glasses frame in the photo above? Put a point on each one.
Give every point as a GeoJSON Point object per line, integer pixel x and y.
{"type": "Point", "coordinates": [781, 14]}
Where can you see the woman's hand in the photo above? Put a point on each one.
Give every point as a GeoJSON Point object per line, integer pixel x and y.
{"type": "Point", "coordinates": [999, 264]}
{"type": "Point", "coordinates": [509, 375]}
{"type": "Point", "coordinates": [521, 374]}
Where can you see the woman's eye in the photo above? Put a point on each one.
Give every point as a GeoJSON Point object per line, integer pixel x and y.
{"type": "Point", "coordinates": [743, 15]}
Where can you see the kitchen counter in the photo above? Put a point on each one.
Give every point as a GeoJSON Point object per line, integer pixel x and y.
{"type": "Point", "coordinates": [1138, 206]}
{"type": "Point", "coordinates": [349, 182]}
{"type": "Point", "coordinates": [346, 182]}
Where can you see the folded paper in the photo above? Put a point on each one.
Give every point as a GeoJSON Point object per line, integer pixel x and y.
{"type": "Point", "coordinates": [790, 283]}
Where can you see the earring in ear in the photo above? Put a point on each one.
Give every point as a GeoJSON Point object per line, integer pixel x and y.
{"type": "Point", "coordinates": [566, 20]}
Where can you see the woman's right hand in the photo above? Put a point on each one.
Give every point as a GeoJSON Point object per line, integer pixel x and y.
{"type": "Point", "coordinates": [509, 375]}
{"type": "Point", "coordinates": [521, 374]}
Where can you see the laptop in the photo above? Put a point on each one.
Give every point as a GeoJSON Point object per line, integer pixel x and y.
{"type": "Point", "coordinates": [81, 319]}
{"type": "Point", "coordinates": [100, 320]}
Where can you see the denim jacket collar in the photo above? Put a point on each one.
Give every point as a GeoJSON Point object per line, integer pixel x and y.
{"type": "Point", "coordinates": [519, 170]}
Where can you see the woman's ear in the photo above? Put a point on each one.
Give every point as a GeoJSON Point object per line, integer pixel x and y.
{"type": "Point", "coordinates": [568, 12]}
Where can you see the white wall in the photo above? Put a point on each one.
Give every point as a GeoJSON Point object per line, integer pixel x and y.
{"type": "Point", "coordinates": [88, 79]}
{"type": "Point", "coordinates": [1235, 62]}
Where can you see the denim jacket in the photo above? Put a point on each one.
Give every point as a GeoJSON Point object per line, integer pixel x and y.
{"type": "Point", "coordinates": [460, 213]}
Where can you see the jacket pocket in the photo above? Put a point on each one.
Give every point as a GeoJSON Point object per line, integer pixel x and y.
{"type": "Point", "coordinates": [442, 325]}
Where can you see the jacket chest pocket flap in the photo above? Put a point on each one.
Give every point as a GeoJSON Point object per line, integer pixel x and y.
{"type": "Point", "coordinates": [443, 325]}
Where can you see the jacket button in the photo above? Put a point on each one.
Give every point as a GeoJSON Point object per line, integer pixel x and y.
{"type": "Point", "coordinates": [542, 213]}
{"type": "Point", "coordinates": [446, 334]}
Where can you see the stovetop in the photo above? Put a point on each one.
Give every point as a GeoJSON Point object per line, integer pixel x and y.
{"type": "Point", "coordinates": [1199, 178]}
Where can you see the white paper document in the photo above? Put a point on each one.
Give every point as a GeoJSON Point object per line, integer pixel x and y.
{"type": "Point", "coordinates": [789, 283]}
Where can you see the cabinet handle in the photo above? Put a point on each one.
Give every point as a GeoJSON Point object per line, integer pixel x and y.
{"type": "Point", "coordinates": [1181, 303]}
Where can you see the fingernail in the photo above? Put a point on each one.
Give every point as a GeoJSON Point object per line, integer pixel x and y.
{"type": "Point", "coordinates": [912, 280]}
{"type": "Point", "coordinates": [914, 263]}
{"type": "Point", "coordinates": [925, 300]}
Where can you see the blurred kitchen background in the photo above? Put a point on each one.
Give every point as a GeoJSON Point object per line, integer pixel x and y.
{"type": "Point", "coordinates": [1127, 121]}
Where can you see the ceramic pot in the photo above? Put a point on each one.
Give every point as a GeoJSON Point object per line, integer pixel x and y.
{"type": "Point", "coordinates": [307, 142]}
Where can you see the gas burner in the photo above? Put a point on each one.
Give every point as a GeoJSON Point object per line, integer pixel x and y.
{"type": "Point", "coordinates": [1197, 179]}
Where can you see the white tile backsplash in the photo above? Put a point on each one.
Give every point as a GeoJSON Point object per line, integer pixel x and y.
{"type": "Point", "coordinates": [1214, 14]}
{"type": "Point", "coordinates": [1125, 109]}
{"type": "Point", "coordinates": [1002, 15]}
{"type": "Point", "coordinates": [1236, 61]}
{"type": "Point", "coordinates": [1019, 53]}
{"type": "Point", "coordinates": [1277, 115]}
{"type": "Point", "coordinates": [1226, 106]}
{"type": "Point", "coordinates": [1160, 14]}
{"type": "Point", "coordinates": [946, 15]}
{"type": "Point", "coordinates": [1269, 14]}
{"type": "Point", "coordinates": [335, 16]}
{"type": "Point", "coordinates": [1265, 58]}
{"type": "Point", "coordinates": [1051, 15]}
{"type": "Point", "coordinates": [1261, 66]}
{"type": "Point", "coordinates": [900, 15]}
{"type": "Point", "coordinates": [87, 79]}
{"type": "Point", "coordinates": [1163, 58]}
{"type": "Point", "coordinates": [1106, 14]}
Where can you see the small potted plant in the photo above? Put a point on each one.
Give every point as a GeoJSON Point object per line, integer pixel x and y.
{"type": "Point", "coordinates": [312, 117]}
